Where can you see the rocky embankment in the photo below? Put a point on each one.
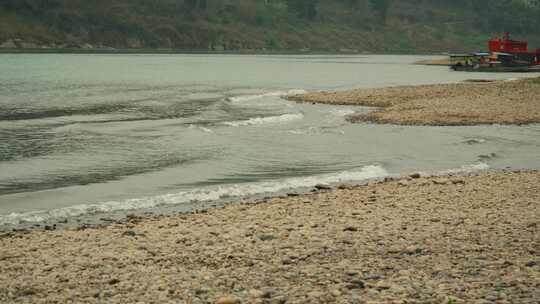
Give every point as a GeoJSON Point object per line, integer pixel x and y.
{"type": "Point", "coordinates": [467, 103]}
{"type": "Point", "coordinates": [20, 44]}
{"type": "Point", "coordinates": [444, 240]}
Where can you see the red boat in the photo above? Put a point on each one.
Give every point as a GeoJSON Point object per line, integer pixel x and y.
{"type": "Point", "coordinates": [505, 55]}
{"type": "Point", "coordinates": [520, 49]}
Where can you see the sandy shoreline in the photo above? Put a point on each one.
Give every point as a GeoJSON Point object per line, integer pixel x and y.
{"type": "Point", "coordinates": [472, 239]}
{"type": "Point", "coordinates": [467, 103]}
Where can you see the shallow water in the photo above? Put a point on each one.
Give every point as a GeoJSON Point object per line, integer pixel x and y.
{"type": "Point", "coordinates": [88, 133]}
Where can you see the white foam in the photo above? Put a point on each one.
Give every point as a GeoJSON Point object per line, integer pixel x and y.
{"type": "Point", "coordinates": [472, 141]}
{"type": "Point", "coordinates": [310, 130]}
{"type": "Point", "coordinates": [199, 195]}
{"type": "Point", "coordinates": [206, 130]}
{"type": "Point", "coordinates": [342, 112]}
{"type": "Point", "coordinates": [265, 120]}
{"type": "Point", "coordinates": [315, 130]}
{"type": "Point", "coordinates": [296, 92]}
{"type": "Point", "coordinates": [246, 98]}
{"type": "Point", "coordinates": [466, 169]}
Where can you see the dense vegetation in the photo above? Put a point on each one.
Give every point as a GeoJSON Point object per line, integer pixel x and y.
{"type": "Point", "coordinates": [326, 25]}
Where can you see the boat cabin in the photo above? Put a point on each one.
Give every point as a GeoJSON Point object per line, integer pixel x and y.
{"type": "Point", "coordinates": [504, 55]}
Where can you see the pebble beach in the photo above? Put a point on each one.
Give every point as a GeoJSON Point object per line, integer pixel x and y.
{"type": "Point", "coordinates": [471, 238]}
{"type": "Point", "coordinates": [443, 239]}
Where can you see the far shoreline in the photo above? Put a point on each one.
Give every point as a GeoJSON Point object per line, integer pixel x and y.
{"type": "Point", "coordinates": [207, 52]}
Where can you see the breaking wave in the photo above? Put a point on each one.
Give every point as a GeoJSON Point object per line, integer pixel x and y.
{"type": "Point", "coordinates": [194, 127]}
{"type": "Point", "coordinates": [199, 195]}
{"type": "Point", "coordinates": [209, 194]}
{"type": "Point", "coordinates": [264, 120]}
{"type": "Point", "coordinates": [466, 169]}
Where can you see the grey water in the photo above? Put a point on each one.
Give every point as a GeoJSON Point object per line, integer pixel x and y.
{"type": "Point", "coordinates": [96, 133]}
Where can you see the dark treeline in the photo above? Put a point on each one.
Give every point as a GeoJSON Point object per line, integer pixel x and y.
{"type": "Point", "coordinates": [372, 25]}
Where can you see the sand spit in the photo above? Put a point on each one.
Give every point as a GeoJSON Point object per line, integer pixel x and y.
{"type": "Point", "coordinates": [444, 240]}
{"type": "Point", "coordinates": [467, 103]}
{"type": "Point", "coordinates": [439, 61]}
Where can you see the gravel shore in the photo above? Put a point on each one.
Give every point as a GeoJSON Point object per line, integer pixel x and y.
{"type": "Point", "coordinates": [452, 239]}
{"type": "Point", "coordinates": [467, 103]}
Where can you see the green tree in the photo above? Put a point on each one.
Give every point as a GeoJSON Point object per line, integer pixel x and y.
{"type": "Point", "coordinates": [381, 7]}
{"type": "Point", "coordinates": [304, 9]}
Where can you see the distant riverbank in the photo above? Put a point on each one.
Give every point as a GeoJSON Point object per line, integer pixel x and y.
{"type": "Point", "coordinates": [466, 103]}
{"type": "Point", "coordinates": [205, 51]}
{"type": "Point", "coordinates": [452, 239]}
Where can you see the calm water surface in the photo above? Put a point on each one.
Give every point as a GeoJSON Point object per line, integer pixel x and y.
{"type": "Point", "coordinates": [94, 133]}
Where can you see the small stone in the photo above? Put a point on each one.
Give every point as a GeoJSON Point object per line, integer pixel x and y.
{"type": "Point", "coordinates": [415, 175]}
{"type": "Point", "coordinates": [201, 291]}
{"type": "Point", "coordinates": [373, 277]}
{"type": "Point", "coordinates": [268, 293]}
{"type": "Point", "coordinates": [228, 300]}
{"type": "Point", "coordinates": [28, 291]}
{"type": "Point", "coordinates": [458, 181]}
{"type": "Point", "coordinates": [403, 183]}
{"type": "Point", "coordinates": [50, 228]}
{"type": "Point", "coordinates": [323, 187]}
{"type": "Point", "coordinates": [278, 300]}
{"type": "Point", "coordinates": [114, 281]}
{"type": "Point", "coordinates": [286, 261]}
{"type": "Point", "coordinates": [261, 294]}
{"type": "Point", "coordinates": [412, 250]}
{"type": "Point", "coordinates": [336, 293]}
{"type": "Point", "coordinates": [129, 233]}
{"type": "Point", "coordinates": [255, 293]}
{"type": "Point", "coordinates": [267, 237]}
{"type": "Point", "coordinates": [492, 297]}
{"type": "Point", "coordinates": [441, 181]}
{"type": "Point", "coordinates": [531, 264]}
{"type": "Point", "coordinates": [382, 286]}
{"type": "Point", "coordinates": [356, 284]}
{"type": "Point", "coordinates": [316, 295]}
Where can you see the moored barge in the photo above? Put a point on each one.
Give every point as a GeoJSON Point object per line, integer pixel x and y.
{"type": "Point", "coordinates": [505, 55]}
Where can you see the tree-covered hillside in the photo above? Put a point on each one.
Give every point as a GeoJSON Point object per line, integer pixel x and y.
{"type": "Point", "coordinates": [272, 25]}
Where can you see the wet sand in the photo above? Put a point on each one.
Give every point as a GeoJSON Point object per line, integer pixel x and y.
{"type": "Point", "coordinates": [467, 103]}
{"type": "Point", "coordinates": [453, 239]}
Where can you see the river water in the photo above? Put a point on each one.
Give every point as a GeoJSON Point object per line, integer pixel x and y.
{"type": "Point", "coordinates": [97, 133]}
